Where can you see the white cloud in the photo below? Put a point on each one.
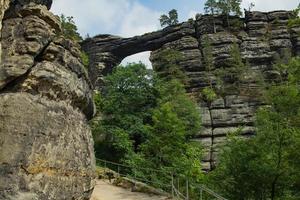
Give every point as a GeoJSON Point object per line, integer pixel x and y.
{"type": "Point", "coordinates": [139, 20]}
{"type": "Point", "coordinates": [270, 5]}
{"type": "Point", "coordinates": [123, 17]}
{"type": "Point", "coordinates": [192, 14]}
{"type": "Point", "coordinates": [93, 16]}
{"type": "Point", "coordinates": [140, 57]}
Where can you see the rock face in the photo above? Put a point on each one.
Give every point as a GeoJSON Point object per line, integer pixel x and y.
{"type": "Point", "coordinates": [4, 5]}
{"type": "Point", "coordinates": [46, 146]}
{"type": "Point", "coordinates": [261, 37]}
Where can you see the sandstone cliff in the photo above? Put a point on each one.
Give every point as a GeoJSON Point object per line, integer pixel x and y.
{"type": "Point", "coordinates": [261, 37]}
{"type": "Point", "coordinates": [46, 146]}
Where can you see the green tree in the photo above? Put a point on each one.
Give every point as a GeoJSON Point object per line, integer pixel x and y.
{"type": "Point", "coordinates": [228, 7]}
{"type": "Point", "coordinates": [208, 93]}
{"type": "Point", "coordinates": [168, 147]}
{"type": "Point", "coordinates": [211, 7]}
{"type": "Point", "coordinates": [69, 28]}
{"type": "Point", "coordinates": [232, 76]}
{"type": "Point", "coordinates": [175, 120]}
{"type": "Point", "coordinates": [126, 104]}
{"type": "Point", "coordinates": [170, 19]}
{"type": "Point", "coordinates": [264, 166]}
{"type": "Point", "coordinates": [147, 121]}
{"type": "Point", "coordinates": [294, 20]}
{"type": "Point", "coordinates": [166, 63]}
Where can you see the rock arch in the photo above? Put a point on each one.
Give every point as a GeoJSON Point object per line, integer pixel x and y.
{"type": "Point", "coordinates": [107, 51]}
{"type": "Point", "coordinates": [260, 35]}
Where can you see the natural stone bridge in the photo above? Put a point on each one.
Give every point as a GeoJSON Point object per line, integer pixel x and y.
{"type": "Point", "coordinates": [107, 51]}
{"type": "Point", "coordinates": [260, 36]}
{"type": "Point", "coordinates": [46, 147]}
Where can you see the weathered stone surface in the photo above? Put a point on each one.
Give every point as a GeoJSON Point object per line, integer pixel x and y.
{"type": "Point", "coordinates": [106, 51]}
{"type": "Point", "coordinates": [188, 47]}
{"type": "Point", "coordinates": [4, 6]}
{"type": "Point", "coordinates": [47, 3]}
{"type": "Point", "coordinates": [23, 39]}
{"type": "Point", "coordinates": [256, 16]}
{"type": "Point", "coordinates": [246, 130]}
{"type": "Point", "coordinates": [46, 149]}
{"type": "Point", "coordinates": [46, 146]}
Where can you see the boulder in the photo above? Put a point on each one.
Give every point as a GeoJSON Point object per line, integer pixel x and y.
{"type": "Point", "coordinates": [46, 145]}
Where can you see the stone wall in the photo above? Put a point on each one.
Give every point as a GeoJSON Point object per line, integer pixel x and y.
{"type": "Point", "coordinates": [261, 37]}
{"type": "Point", "coordinates": [46, 146]}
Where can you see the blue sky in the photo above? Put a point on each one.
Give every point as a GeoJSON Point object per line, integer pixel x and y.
{"type": "Point", "coordinates": [128, 18]}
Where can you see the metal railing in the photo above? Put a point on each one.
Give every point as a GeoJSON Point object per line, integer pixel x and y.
{"type": "Point", "coordinates": [175, 189]}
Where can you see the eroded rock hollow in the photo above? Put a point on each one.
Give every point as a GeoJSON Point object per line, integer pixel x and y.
{"type": "Point", "coordinates": [46, 146]}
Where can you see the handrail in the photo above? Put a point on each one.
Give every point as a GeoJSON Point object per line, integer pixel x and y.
{"type": "Point", "coordinates": [172, 185]}
{"type": "Point", "coordinates": [127, 166]}
{"type": "Point", "coordinates": [178, 194]}
{"type": "Point", "coordinates": [209, 191]}
{"type": "Point", "coordinates": [134, 177]}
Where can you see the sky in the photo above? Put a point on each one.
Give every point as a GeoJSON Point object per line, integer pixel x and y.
{"type": "Point", "coordinates": [128, 18]}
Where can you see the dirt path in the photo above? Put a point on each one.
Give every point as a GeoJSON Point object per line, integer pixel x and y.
{"type": "Point", "coordinates": [105, 191]}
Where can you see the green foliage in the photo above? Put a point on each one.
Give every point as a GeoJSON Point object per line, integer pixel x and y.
{"type": "Point", "coordinates": [228, 7]}
{"type": "Point", "coordinates": [167, 65]}
{"type": "Point", "coordinates": [69, 28]}
{"type": "Point", "coordinates": [126, 105]}
{"type": "Point", "coordinates": [211, 7]}
{"type": "Point", "coordinates": [294, 21]}
{"type": "Point", "coordinates": [170, 19]}
{"type": "Point", "coordinates": [85, 59]}
{"type": "Point", "coordinates": [232, 76]}
{"type": "Point", "coordinates": [209, 94]}
{"type": "Point", "coordinates": [236, 24]}
{"type": "Point", "coordinates": [147, 121]}
{"type": "Point", "coordinates": [208, 55]}
{"type": "Point", "coordinates": [265, 166]}
{"type": "Point", "coordinates": [173, 92]}
{"type": "Point", "coordinates": [174, 121]}
{"type": "Point", "coordinates": [225, 7]}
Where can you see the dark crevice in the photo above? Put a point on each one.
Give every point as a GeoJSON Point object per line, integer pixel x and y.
{"type": "Point", "coordinates": [11, 86]}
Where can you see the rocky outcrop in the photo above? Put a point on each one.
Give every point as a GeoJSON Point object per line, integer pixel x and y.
{"type": "Point", "coordinates": [45, 102]}
{"type": "Point", "coordinates": [261, 38]}
{"type": "Point", "coordinates": [4, 5]}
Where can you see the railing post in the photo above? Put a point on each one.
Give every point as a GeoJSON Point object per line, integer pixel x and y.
{"type": "Point", "coordinates": [187, 189]}
{"type": "Point", "coordinates": [134, 178]}
{"type": "Point", "coordinates": [104, 168]}
{"type": "Point", "coordinates": [178, 189]}
{"type": "Point", "coordinates": [119, 170]}
{"type": "Point", "coordinates": [201, 197]}
{"type": "Point", "coordinates": [172, 185]}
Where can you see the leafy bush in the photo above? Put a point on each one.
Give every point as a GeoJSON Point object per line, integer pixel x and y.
{"type": "Point", "coordinates": [69, 28]}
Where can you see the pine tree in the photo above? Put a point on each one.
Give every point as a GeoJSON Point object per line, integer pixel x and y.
{"type": "Point", "coordinates": [170, 19]}
{"type": "Point", "coordinates": [211, 7]}
{"type": "Point", "coordinates": [69, 28]}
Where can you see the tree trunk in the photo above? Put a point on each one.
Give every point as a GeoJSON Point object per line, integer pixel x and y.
{"type": "Point", "coordinates": [274, 188]}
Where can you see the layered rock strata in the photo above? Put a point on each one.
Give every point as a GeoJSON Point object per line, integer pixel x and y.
{"type": "Point", "coordinates": [261, 39]}
{"type": "Point", "coordinates": [46, 146]}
